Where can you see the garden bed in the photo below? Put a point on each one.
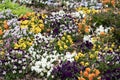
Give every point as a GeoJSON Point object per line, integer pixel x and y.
{"type": "Point", "coordinates": [68, 40]}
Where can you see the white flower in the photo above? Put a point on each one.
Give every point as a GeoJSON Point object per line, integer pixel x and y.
{"type": "Point", "coordinates": [23, 67]}
{"type": "Point", "coordinates": [15, 67]}
{"type": "Point", "coordinates": [61, 12]}
{"type": "Point", "coordinates": [87, 38]}
{"type": "Point", "coordinates": [4, 72]}
{"type": "Point", "coordinates": [14, 71]}
{"type": "Point", "coordinates": [41, 73]}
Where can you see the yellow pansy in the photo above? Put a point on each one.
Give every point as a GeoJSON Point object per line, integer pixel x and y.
{"type": "Point", "coordinates": [113, 45]}
{"type": "Point", "coordinates": [65, 46]}
{"type": "Point", "coordinates": [37, 30]}
{"type": "Point", "coordinates": [41, 26]}
{"type": "Point", "coordinates": [67, 41]}
{"type": "Point", "coordinates": [1, 41]}
{"type": "Point", "coordinates": [71, 42]}
{"type": "Point", "coordinates": [68, 36]}
{"type": "Point", "coordinates": [92, 56]}
{"type": "Point", "coordinates": [2, 52]}
{"type": "Point", "coordinates": [65, 34]}
{"type": "Point", "coordinates": [61, 48]}
{"type": "Point", "coordinates": [82, 63]}
{"type": "Point", "coordinates": [111, 49]}
{"type": "Point", "coordinates": [86, 64]}
{"type": "Point", "coordinates": [106, 48]}
{"type": "Point", "coordinates": [58, 43]}
{"type": "Point", "coordinates": [33, 19]}
{"type": "Point", "coordinates": [23, 46]}
{"type": "Point", "coordinates": [23, 26]}
{"type": "Point", "coordinates": [81, 54]}
{"type": "Point", "coordinates": [76, 58]}
{"type": "Point", "coordinates": [63, 38]}
{"type": "Point", "coordinates": [40, 21]}
{"type": "Point", "coordinates": [16, 46]}
{"type": "Point", "coordinates": [25, 22]}
{"type": "Point", "coordinates": [20, 40]}
{"type": "Point", "coordinates": [32, 23]}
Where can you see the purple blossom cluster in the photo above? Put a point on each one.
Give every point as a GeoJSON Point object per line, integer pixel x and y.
{"type": "Point", "coordinates": [61, 24]}
{"type": "Point", "coordinates": [66, 70]}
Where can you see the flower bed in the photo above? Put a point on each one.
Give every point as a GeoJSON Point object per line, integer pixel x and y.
{"type": "Point", "coordinates": [78, 44]}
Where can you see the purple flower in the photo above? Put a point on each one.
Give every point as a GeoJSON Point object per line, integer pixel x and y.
{"type": "Point", "coordinates": [66, 70]}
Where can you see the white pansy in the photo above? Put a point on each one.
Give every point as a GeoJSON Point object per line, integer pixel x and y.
{"type": "Point", "coordinates": [87, 38]}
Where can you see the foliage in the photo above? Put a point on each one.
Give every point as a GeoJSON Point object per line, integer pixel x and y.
{"type": "Point", "coordinates": [15, 7]}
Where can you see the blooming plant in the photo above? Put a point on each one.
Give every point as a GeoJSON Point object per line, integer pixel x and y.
{"type": "Point", "coordinates": [89, 74]}
{"type": "Point", "coordinates": [14, 64]}
{"type": "Point", "coordinates": [66, 70]}
{"type": "Point", "coordinates": [65, 42]}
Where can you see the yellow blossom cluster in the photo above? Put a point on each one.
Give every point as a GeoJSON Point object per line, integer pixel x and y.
{"type": "Point", "coordinates": [65, 42]}
{"type": "Point", "coordinates": [34, 23]}
{"type": "Point", "coordinates": [23, 43]}
{"type": "Point", "coordinates": [86, 10]}
{"type": "Point", "coordinates": [81, 57]}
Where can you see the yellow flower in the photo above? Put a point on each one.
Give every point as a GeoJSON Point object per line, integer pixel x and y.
{"type": "Point", "coordinates": [23, 26]}
{"type": "Point", "coordinates": [41, 26]}
{"type": "Point", "coordinates": [29, 43]}
{"type": "Point", "coordinates": [110, 49]}
{"type": "Point", "coordinates": [25, 22]}
{"type": "Point", "coordinates": [65, 46]}
{"type": "Point", "coordinates": [68, 36]}
{"type": "Point", "coordinates": [76, 58]}
{"type": "Point", "coordinates": [67, 41]}
{"type": "Point", "coordinates": [96, 52]}
{"type": "Point", "coordinates": [2, 53]}
{"type": "Point", "coordinates": [1, 41]}
{"type": "Point", "coordinates": [65, 34]}
{"type": "Point", "coordinates": [16, 46]}
{"type": "Point", "coordinates": [80, 54]}
{"type": "Point", "coordinates": [23, 46]}
{"type": "Point", "coordinates": [71, 42]}
{"type": "Point", "coordinates": [113, 45]}
{"type": "Point", "coordinates": [33, 19]}
{"type": "Point", "coordinates": [82, 63]}
{"type": "Point", "coordinates": [86, 64]}
{"type": "Point", "coordinates": [40, 21]}
{"type": "Point", "coordinates": [61, 48]}
{"type": "Point", "coordinates": [106, 48]}
{"type": "Point", "coordinates": [20, 40]}
{"type": "Point", "coordinates": [63, 38]}
{"type": "Point", "coordinates": [58, 43]}
{"type": "Point", "coordinates": [32, 23]}
{"type": "Point", "coordinates": [92, 56]}
{"type": "Point", "coordinates": [37, 30]}
{"type": "Point", "coordinates": [44, 16]}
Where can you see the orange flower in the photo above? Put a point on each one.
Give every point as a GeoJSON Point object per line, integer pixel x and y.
{"type": "Point", "coordinates": [87, 69]}
{"type": "Point", "coordinates": [90, 77]}
{"type": "Point", "coordinates": [87, 29]}
{"type": "Point", "coordinates": [81, 78]}
{"type": "Point", "coordinates": [1, 32]}
{"type": "Point", "coordinates": [79, 25]}
{"type": "Point", "coordinates": [97, 72]}
{"type": "Point", "coordinates": [102, 33]}
{"type": "Point", "coordinates": [6, 25]}
{"type": "Point", "coordinates": [85, 74]}
{"type": "Point", "coordinates": [113, 2]}
{"type": "Point", "coordinates": [93, 75]}
{"type": "Point", "coordinates": [28, 14]}
{"type": "Point", "coordinates": [81, 72]}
